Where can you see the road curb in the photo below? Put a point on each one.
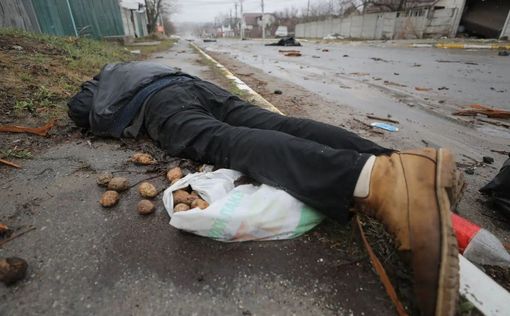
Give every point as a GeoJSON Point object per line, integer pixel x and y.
{"type": "Point", "coordinates": [463, 46]}
{"type": "Point", "coordinates": [241, 85]}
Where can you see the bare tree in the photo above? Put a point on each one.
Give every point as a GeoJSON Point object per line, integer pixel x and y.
{"type": "Point", "coordinates": [156, 9]}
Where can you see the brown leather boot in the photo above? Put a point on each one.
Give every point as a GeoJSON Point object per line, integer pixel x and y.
{"type": "Point", "coordinates": [410, 193]}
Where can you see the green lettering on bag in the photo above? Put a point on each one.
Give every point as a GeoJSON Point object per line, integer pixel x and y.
{"type": "Point", "coordinates": [218, 227]}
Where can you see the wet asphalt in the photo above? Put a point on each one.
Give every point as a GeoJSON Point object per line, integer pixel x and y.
{"type": "Point", "coordinates": [86, 260]}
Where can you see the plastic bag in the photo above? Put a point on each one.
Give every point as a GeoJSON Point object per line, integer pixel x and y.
{"type": "Point", "coordinates": [242, 213]}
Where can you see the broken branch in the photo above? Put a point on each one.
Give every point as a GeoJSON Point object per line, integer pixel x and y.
{"type": "Point", "coordinates": [10, 164]}
{"type": "Point", "coordinates": [373, 117]}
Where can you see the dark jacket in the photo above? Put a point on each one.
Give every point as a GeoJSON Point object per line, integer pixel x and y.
{"type": "Point", "coordinates": [105, 103]}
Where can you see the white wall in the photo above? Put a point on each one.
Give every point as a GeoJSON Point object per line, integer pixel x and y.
{"type": "Point", "coordinates": [386, 25]}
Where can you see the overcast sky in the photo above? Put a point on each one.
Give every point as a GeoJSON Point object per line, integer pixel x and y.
{"type": "Point", "coordinates": [206, 10]}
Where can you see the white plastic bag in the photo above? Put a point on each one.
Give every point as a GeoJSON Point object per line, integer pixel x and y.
{"type": "Point", "coordinates": [246, 212]}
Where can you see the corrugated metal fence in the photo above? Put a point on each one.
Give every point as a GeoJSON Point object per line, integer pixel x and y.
{"type": "Point", "coordinates": [18, 14]}
{"type": "Point", "coordinates": [97, 18]}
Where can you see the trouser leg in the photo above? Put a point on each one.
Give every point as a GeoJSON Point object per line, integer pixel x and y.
{"type": "Point", "coordinates": [234, 111]}
{"type": "Point", "coordinates": [318, 175]}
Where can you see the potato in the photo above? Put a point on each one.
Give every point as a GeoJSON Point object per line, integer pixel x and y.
{"type": "Point", "coordinates": [12, 270]}
{"type": "Point", "coordinates": [201, 204]}
{"type": "Point", "coordinates": [181, 207]}
{"type": "Point", "coordinates": [118, 184]}
{"type": "Point", "coordinates": [143, 159]}
{"type": "Point", "coordinates": [174, 174]}
{"type": "Point", "coordinates": [104, 178]}
{"type": "Point", "coordinates": [145, 207]}
{"type": "Point", "coordinates": [181, 196]}
{"type": "Point", "coordinates": [195, 194]}
{"type": "Point", "coordinates": [109, 198]}
{"type": "Point", "coordinates": [147, 190]}
{"type": "Point", "coordinates": [5, 231]}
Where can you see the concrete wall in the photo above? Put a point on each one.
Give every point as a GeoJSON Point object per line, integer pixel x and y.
{"type": "Point", "coordinates": [19, 14]}
{"type": "Point", "coordinates": [139, 28]}
{"type": "Point", "coordinates": [506, 28]}
{"type": "Point", "coordinates": [388, 25]}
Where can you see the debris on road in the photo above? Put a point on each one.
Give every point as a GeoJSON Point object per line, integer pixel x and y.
{"type": "Point", "coordinates": [315, 56]}
{"type": "Point", "coordinates": [118, 184]}
{"type": "Point", "coordinates": [479, 245]}
{"type": "Point", "coordinates": [488, 160]}
{"type": "Point", "coordinates": [293, 54]}
{"type": "Point", "coordinates": [12, 270]}
{"type": "Point", "coordinates": [373, 117]}
{"type": "Point", "coordinates": [16, 235]}
{"type": "Point", "coordinates": [475, 109]}
{"type": "Point", "coordinates": [391, 83]}
{"type": "Point", "coordinates": [379, 59]}
{"type": "Point", "coordinates": [10, 164]}
{"type": "Point", "coordinates": [209, 40]}
{"type": "Point", "coordinates": [109, 198]}
{"type": "Point", "coordinates": [40, 131]}
{"type": "Point", "coordinates": [143, 159]}
{"type": "Point", "coordinates": [422, 89]}
{"type": "Point", "coordinates": [147, 190]}
{"type": "Point", "coordinates": [104, 178]}
{"type": "Point", "coordinates": [5, 231]}
{"type": "Point", "coordinates": [504, 53]}
{"type": "Point", "coordinates": [501, 152]}
{"type": "Point", "coordinates": [385, 126]}
{"type": "Point", "coordinates": [325, 50]}
{"type": "Point", "coordinates": [286, 41]}
{"type": "Point", "coordinates": [277, 91]}
{"type": "Point", "coordinates": [498, 190]}
{"type": "Point", "coordinates": [443, 88]}
{"type": "Point", "coordinates": [345, 55]}
{"type": "Point", "coordinates": [145, 207]}
{"type": "Point", "coordinates": [359, 73]}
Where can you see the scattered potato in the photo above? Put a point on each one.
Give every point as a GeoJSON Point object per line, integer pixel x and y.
{"type": "Point", "coordinates": [109, 198]}
{"type": "Point", "coordinates": [181, 207]}
{"type": "Point", "coordinates": [195, 194]}
{"type": "Point", "coordinates": [118, 184]}
{"type": "Point", "coordinates": [12, 270]}
{"type": "Point", "coordinates": [181, 196]}
{"type": "Point", "coordinates": [143, 159]}
{"type": "Point", "coordinates": [4, 230]}
{"type": "Point", "coordinates": [201, 204]}
{"type": "Point", "coordinates": [147, 190]}
{"type": "Point", "coordinates": [104, 178]}
{"type": "Point", "coordinates": [174, 174]}
{"type": "Point", "coordinates": [145, 207]}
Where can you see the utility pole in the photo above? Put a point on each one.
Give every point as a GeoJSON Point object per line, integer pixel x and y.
{"type": "Point", "coordinates": [308, 12]}
{"type": "Point", "coordinates": [236, 24]}
{"type": "Point", "coordinates": [263, 21]}
{"type": "Point", "coordinates": [242, 20]}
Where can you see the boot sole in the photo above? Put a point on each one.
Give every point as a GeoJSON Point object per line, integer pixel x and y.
{"type": "Point", "coordinates": [449, 187]}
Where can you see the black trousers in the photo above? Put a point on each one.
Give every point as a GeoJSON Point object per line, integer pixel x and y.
{"type": "Point", "coordinates": [317, 163]}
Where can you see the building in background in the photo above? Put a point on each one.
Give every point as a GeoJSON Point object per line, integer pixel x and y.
{"type": "Point", "coordinates": [417, 19]}
{"type": "Point", "coordinates": [253, 24]}
{"type": "Point", "coordinates": [94, 18]}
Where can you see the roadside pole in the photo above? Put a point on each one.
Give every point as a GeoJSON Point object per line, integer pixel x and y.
{"type": "Point", "coordinates": [263, 21]}
{"type": "Point", "coordinates": [242, 20]}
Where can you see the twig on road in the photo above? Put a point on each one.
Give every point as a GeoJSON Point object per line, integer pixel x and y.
{"type": "Point", "coordinates": [373, 117]}
{"type": "Point", "coordinates": [3, 242]}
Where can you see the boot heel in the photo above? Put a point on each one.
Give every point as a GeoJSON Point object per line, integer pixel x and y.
{"type": "Point", "coordinates": [449, 186]}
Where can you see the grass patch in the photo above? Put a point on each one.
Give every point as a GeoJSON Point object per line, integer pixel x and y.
{"type": "Point", "coordinates": [16, 153]}
{"type": "Point", "coordinates": [40, 72]}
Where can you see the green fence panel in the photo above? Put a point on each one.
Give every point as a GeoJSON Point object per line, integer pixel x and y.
{"type": "Point", "coordinates": [97, 18]}
{"type": "Point", "coordinates": [54, 17]}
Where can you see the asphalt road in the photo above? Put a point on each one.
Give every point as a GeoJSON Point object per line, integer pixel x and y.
{"type": "Point", "coordinates": [86, 260]}
{"type": "Point", "coordinates": [383, 79]}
